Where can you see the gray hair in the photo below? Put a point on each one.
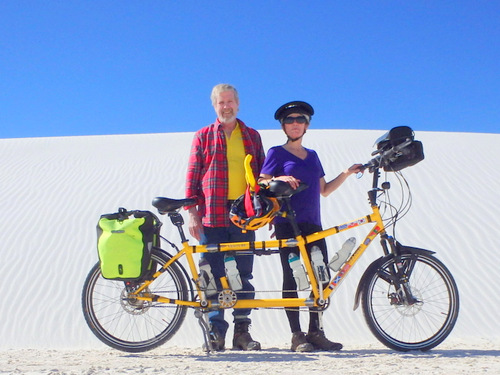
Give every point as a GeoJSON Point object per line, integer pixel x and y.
{"type": "Point", "coordinates": [221, 87]}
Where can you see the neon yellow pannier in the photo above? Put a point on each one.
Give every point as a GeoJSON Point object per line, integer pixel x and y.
{"type": "Point", "coordinates": [124, 243]}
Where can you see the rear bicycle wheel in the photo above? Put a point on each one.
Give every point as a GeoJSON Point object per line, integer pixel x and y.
{"type": "Point", "coordinates": [129, 324]}
{"type": "Point", "coordinates": [418, 323]}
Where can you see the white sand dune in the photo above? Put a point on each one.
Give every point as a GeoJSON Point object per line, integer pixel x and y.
{"type": "Point", "coordinates": [54, 189]}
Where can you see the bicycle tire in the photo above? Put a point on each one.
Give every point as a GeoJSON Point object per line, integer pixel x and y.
{"type": "Point", "coordinates": [419, 326]}
{"type": "Point", "coordinates": [130, 325]}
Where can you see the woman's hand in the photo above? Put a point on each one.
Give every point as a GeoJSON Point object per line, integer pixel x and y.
{"type": "Point", "coordinates": [355, 168]}
{"type": "Point", "coordinates": [292, 181]}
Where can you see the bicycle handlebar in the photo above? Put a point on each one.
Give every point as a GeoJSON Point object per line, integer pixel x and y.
{"type": "Point", "coordinates": [384, 157]}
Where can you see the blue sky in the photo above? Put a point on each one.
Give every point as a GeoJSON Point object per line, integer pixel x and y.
{"type": "Point", "coordinates": [126, 67]}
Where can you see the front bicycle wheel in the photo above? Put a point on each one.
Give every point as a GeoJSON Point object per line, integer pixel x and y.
{"type": "Point", "coordinates": [417, 315]}
{"type": "Point", "coordinates": [129, 324]}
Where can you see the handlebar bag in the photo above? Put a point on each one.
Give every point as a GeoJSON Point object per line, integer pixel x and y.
{"type": "Point", "coordinates": [124, 243]}
{"type": "Point", "coordinates": [394, 137]}
{"type": "Point", "coordinates": [406, 157]}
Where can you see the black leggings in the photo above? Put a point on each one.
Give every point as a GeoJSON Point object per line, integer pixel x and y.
{"type": "Point", "coordinates": [283, 231]}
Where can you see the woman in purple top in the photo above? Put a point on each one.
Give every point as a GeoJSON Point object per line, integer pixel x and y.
{"type": "Point", "coordinates": [293, 163]}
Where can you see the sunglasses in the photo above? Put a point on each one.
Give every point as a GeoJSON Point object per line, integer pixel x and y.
{"type": "Point", "coordinates": [298, 119]}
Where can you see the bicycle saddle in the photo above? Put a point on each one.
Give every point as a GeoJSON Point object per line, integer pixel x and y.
{"type": "Point", "coordinates": [281, 189]}
{"type": "Point", "coordinates": [169, 205]}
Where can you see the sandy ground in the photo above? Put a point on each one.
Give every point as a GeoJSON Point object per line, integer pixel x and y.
{"type": "Point", "coordinates": [452, 357]}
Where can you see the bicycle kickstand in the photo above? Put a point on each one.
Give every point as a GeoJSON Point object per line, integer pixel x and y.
{"type": "Point", "coordinates": [203, 322]}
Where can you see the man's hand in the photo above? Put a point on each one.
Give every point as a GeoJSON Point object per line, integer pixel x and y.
{"type": "Point", "coordinates": [194, 224]}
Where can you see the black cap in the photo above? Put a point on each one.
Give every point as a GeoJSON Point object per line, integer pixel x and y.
{"type": "Point", "coordinates": [293, 107]}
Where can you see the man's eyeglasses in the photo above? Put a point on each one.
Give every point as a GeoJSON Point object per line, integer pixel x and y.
{"type": "Point", "coordinates": [298, 119]}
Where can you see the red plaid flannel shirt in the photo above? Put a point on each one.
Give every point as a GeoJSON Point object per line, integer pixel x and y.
{"type": "Point", "coordinates": [207, 179]}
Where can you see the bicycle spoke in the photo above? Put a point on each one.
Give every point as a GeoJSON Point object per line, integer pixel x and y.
{"type": "Point", "coordinates": [129, 324]}
{"type": "Point", "coordinates": [420, 322]}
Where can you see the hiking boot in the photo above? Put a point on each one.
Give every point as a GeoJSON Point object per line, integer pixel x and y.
{"type": "Point", "coordinates": [320, 342]}
{"type": "Point", "coordinates": [300, 344]}
{"type": "Point", "coordinates": [216, 340]}
{"type": "Point", "coordinates": [242, 339]}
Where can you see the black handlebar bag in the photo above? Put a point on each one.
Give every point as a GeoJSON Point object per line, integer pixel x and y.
{"type": "Point", "coordinates": [408, 156]}
{"type": "Point", "coordinates": [405, 157]}
{"type": "Point", "coordinates": [125, 240]}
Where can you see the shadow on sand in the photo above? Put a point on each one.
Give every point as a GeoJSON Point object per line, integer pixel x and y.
{"type": "Point", "coordinates": [280, 355]}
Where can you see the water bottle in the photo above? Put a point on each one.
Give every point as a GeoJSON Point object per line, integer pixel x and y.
{"type": "Point", "coordinates": [232, 273]}
{"type": "Point", "coordinates": [319, 265]}
{"type": "Point", "coordinates": [206, 279]}
{"type": "Point", "coordinates": [299, 274]}
{"type": "Point", "coordinates": [341, 256]}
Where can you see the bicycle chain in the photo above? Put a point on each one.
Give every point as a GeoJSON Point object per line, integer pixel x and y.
{"type": "Point", "coordinates": [228, 300]}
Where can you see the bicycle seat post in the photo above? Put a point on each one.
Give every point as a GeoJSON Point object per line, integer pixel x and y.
{"type": "Point", "coordinates": [290, 214]}
{"type": "Point", "coordinates": [178, 221]}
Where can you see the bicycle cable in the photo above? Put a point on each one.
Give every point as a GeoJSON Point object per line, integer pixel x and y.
{"type": "Point", "coordinates": [396, 213]}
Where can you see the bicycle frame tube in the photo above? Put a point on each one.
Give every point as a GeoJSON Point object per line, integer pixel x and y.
{"type": "Point", "coordinates": [299, 242]}
{"type": "Point", "coordinates": [188, 252]}
{"type": "Point", "coordinates": [377, 229]}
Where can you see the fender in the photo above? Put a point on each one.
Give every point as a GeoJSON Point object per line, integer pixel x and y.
{"type": "Point", "coordinates": [401, 249]}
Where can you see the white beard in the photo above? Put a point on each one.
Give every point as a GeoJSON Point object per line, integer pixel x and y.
{"type": "Point", "coordinates": [228, 118]}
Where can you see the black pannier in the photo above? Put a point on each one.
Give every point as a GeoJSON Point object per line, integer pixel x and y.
{"type": "Point", "coordinates": [407, 151]}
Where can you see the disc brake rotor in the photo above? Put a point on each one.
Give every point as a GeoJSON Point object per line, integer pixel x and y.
{"type": "Point", "coordinates": [406, 309]}
{"type": "Point", "coordinates": [132, 305]}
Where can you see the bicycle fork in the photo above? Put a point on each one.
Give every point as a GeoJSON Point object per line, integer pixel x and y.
{"type": "Point", "coordinates": [400, 276]}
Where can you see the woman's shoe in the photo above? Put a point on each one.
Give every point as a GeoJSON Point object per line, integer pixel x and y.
{"type": "Point", "coordinates": [300, 344]}
{"type": "Point", "coordinates": [320, 342]}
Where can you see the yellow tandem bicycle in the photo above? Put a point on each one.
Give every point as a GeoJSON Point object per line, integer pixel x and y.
{"type": "Point", "coordinates": [408, 297]}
